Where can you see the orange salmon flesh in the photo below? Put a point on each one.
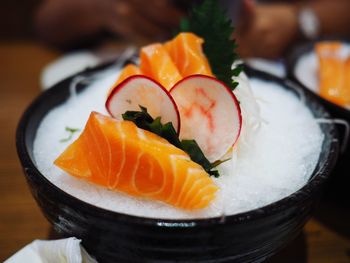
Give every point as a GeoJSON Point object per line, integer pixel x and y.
{"type": "Point", "coordinates": [121, 157]}
{"type": "Point", "coordinates": [334, 73]}
{"type": "Point", "coordinates": [170, 62]}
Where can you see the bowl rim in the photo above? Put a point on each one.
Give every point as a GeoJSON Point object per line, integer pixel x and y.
{"type": "Point", "coordinates": [319, 176]}
{"type": "Point", "coordinates": [292, 61]}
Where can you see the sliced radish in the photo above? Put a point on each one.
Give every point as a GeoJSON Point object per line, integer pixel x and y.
{"type": "Point", "coordinates": [209, 113]}
{"type": "Point", "coordinates": [139, 90]}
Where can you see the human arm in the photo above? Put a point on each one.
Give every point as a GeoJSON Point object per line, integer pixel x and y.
{"type": "Point", "coordinates": [65, 22]}
{"type": "Point", "coordinates": [267, 30]}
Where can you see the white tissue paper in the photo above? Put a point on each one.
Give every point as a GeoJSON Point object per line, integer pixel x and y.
{"type": "Point", "coordinates": [66, 250]}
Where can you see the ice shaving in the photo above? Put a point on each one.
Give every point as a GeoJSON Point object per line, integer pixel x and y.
{"type": "Point", "coordinates": [183, 133]}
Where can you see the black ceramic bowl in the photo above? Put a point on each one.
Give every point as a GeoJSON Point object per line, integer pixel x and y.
{"type": "Point", "coordinates": [339, 184]}
{"type": "Point", "coordinates": [113, 237]}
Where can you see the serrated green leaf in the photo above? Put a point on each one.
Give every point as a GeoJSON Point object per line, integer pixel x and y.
{"type": "Point", "coordinates": [209, 21]}
{"type": "Point", "coordinates": [195, 152]}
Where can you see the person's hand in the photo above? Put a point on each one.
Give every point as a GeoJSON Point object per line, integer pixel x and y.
{"type": "Point", "coordinates": [266, 30]}
{"type": "Point", "coordinates": [141, 20]}
{"type": "Point", "coordinates": [67, 22]}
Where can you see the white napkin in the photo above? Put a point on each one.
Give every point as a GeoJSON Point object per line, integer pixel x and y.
{"type": "Point", "coordinates": [66, 250]}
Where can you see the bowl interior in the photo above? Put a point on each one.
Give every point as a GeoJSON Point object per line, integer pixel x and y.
{"type": "Point", "coordinates": [31, 119]}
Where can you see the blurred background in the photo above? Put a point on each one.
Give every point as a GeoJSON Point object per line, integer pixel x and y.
{"type": "Point", "coordinates": [22, 59]}
{"type": "Point", "coordinates": [44, 41]}
{"type": "Point", "coordinates": [16, 19]}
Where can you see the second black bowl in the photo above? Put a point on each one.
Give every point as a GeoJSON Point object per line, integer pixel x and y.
{"type": "Point", "coordinates": [340, 181]}
{"type": "Point", "coordinates": [292, 62]}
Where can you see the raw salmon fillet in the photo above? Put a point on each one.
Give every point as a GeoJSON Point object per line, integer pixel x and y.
{"type": "Point", "coordinates": [120, 156]}
{"type": "Point", "coordinates": [334, 73]}
{"type": "Point", "coordinates": [156, 63]}
{"type": "Point", "coordinates": [181, 57]}
{"type": "Point", "coordinates": [186, 52]}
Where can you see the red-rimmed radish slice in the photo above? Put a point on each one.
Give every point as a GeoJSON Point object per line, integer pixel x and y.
{"type": "Point", "coordinates": [209, 113]}
{"type": "Point", "coordinates": [139, 90]}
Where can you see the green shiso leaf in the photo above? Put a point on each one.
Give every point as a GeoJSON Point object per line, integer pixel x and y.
{"type": "Point", "coordinates": [71, 132]}
{"type": "Point", "coordinates": [143, 120]}
{"type": "Point", "coordinates": [194, 151]}
{"type": "Point", "coordinates": [210, 21]}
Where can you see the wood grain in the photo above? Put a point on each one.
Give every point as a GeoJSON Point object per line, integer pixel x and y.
{"type": "Point", "coordinates": [20, 218]}
{"type": "Point", "coordinates": [325, 239]}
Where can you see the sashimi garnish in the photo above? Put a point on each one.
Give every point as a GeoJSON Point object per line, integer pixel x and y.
{"type": "Point", "coordinates": [71, 132]}
{"type": "Point", "coordinates": [209, 21]}
{"type": "Point", "coordinates": [142, 90]}
{"type": "Point", "coordinates": [210, 114]}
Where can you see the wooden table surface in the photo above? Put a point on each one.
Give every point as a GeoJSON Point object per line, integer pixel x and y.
{"type": "Point", "coordinates": [325, 239]}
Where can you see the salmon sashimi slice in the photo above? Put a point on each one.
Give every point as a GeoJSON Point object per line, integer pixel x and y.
{"type": "Point", "coordinates": [187, 53]}
{"type": "Point", "coordinates": [156, 63]}
{"type": "Point", "coordinates": [334, 72]}
{"type": "Point", "coordinates": [120, 156]}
